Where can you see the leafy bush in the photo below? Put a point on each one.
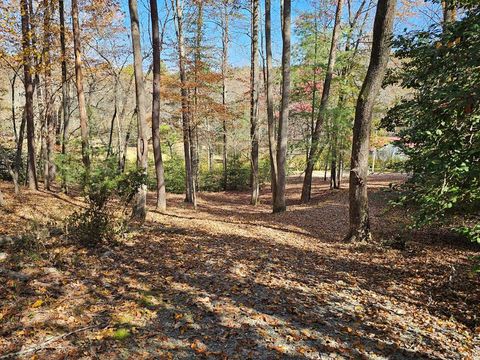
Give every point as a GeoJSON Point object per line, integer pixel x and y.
{"type": "Point", "coordinates": [100, 221]}
{"type": "Point", "coordinates": [238, 174]}
{"type": "Point", "coordinates": [174, 175]}
{"type": "Point", "coordinates": [440, 123]}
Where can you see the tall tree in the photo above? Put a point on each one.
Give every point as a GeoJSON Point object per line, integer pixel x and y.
{"type": "Point", "coordinates": [314, 148]}
{"type": "Point", "coordinates": [63, 52]}
{"type": "Point", "coordinates": [49, 124]}
{"type": "Point", "coordinates": [254, 72]}
{"type": "Point", "coordinates": [269, 91]}
{"type": "Point", "coordinates": [186, 126]}
{"type": "Point", "coordinates": [358, 211]}
{"type": "Point", "coordinates": [28, 83]}
{"type": "Point", "coordinates": [279, 204]}
{"type": "Point", "coordinates": [157, 151]}
{"type": "Point", "coordinates": [225, 43]}
{"type": "Point", "coordinates": [139, 206]}
{"type": "Point", "coordinates": [79, 84]}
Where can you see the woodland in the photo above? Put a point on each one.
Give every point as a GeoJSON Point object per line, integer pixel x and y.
{"type": "Point", "coordinates": [240, 179]}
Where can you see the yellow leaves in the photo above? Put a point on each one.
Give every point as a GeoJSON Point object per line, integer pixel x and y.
{"type": "Point", "coordinates": [198, 346]}
{"type": "Point", "coordinates": [37, 304]}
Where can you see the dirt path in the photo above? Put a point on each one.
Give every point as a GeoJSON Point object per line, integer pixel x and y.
{"type": "Point", "coordinates": [231, 281]}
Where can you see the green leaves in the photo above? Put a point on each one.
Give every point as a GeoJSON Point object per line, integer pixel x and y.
{"type": "Point", "coordinates": [440, 123]}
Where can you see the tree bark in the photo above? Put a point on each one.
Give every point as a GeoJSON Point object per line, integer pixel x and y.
{"type": "Point", "coordinates": [79, 84]}
{"type": "Point", "coordinates": [314, 148]}
{"type": "Point", "coordinates": [140, 202]}
{"type": "Point", "coordinates": [190, 184]}
{"type": "Point", "coordinates": [358, 212]}
{"type": "Point", "coordinates": [254, 70]}
{"type": "Point", "coordinates": [279, 204]}
{"type": "Point", "coordinates": [157, 150]}
{"type": "Point", "coordinates": [225, 41]}
{"type": "Point", "coordinates": [49, 121]}
{"type": "Point", "coordinates": [449, 12]}
{"type": "Point", "coordinates": [270, 116]}
{"type": "Point", "coordinates": [28, 83]}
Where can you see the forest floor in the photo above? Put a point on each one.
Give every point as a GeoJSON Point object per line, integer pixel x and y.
{"type": "Point", "coordinates": [232, 281]}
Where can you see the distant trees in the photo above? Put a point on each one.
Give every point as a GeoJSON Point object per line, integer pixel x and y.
{"type": "Point", "coordinates": [358, 201]}
{"type": "Point", "coordinates": [321, 114]}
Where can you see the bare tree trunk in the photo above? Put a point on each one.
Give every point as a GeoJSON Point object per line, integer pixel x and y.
{"type": "Point", "coordinates": [254, 70]}
{"type": "Point", "coordinates": [382, 30]}
{"type": "Point", "coordinates": [65, 99]}
{"type": "Point", "coordinates": [270, 117]}
{"type": "Point", "coordinates": [225, 41]}
{"type": "Point", "coordinates": [26, 46]}
{"type": "Point", "coordinates": [2, 202]}
{"type": "Point", "coordinates": [79, 83]}
{"type": "Point", "coordinates": [49, 125]}
{"type": "Point", "coordinates": [140, 202]}
{"type": "Point", "coordinates": [314, 149]}
{"type": "Point", "coordinates": [279, 204]}
{"type": "Point", "coordinates": [195, 118]}
{"type": "Point", "coordinates": [157, 150]}
{"type": "Point", "coordinates": [190, 184]}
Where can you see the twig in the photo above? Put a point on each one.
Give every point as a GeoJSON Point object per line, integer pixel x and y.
{"type": "Point", "coordinates": [44, 344]}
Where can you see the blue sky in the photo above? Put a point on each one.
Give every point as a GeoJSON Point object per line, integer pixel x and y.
{"type": "Point", "coordinates": [239, 49]}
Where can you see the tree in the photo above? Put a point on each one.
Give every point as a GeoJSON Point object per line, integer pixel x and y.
{"type": "Point", "coordinates": [314, 148]}
{"type": "Point", "coordinates": [139, 207]}
{"type": "Point", "coordinates": [79, 84]}
{"type": "Point", "coordinates": [28, 83]}
{"type": "Point", "coordinates": [439, 125]}
{"type": "Point", "coordinates": [225, 43]}
{"type": "Point", "coordinates": [269, 99]}
{"type": "Point", "coordinates": [65, 98]}
{"type": "Point", "coordinates": [255, 182]}
{"type": "Point", "coordinates": [186, 125]}
{"type": "Point", "coordinates": [157, 151]}
{"type": "Point", "coordinates": [358, 199]}
{"type": "Point", "coordinates": [279, 204]}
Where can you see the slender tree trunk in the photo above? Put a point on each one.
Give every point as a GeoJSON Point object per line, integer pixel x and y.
{"type": "Point", "coordinates": [26, 46]}
{"type": "Point", "coordinates": [114, 117]}
{"type": "Point", "coordinates": [157, 150]}
{"type": "Point", "coordinates": [314, 149]}
{"type": "Point", "coordinates": [140, 203]}
{"type": "Point", "coordinates": [254, 106]}
{"type": "Point", "coordinates": [79, 83]}
{"type": "Point", "coordinates": [270, 116]}
{"type": "Point", "coordinates": [382, 30]}
{"type": "Point", "coordinates": [49, 123]}
{"type": "Point", "coordinates": [2, 202]}
{"type": "Point", "coordinates": [65, 100]}
{"type": "Point", "coordinates": [14, 120]}
{"type": "Point", "coordinates": [195, 116]}
{"type": "Point", "coordinates": [190, 184]}
{"type": "Point", "coordinates": [279, 204]}
{"type": "Point", "coordinates": [225, 41]}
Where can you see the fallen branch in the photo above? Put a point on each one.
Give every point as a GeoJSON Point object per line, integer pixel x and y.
{"type": "Point", "coordinates": [44, 344]}
{"type": "Point", "coordinates": [14, 275]}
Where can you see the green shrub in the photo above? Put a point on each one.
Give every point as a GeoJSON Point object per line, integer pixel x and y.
{"type": "Point", "coordinates": [174, 175]}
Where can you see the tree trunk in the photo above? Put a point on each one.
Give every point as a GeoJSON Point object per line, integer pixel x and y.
{"type": "Point", "coordinates": [27, 69]}
{"type": "Point", "coordinates": [314, 148]}
{"type": "Point", "coordinates": [382, 30]}
{"type": "Point", "coordinates": [157, 151]}
{"type": "Point", "coordinates": [190, 184]}
{"type": "Point", "coordinates": [79, 83]}
{"type": "Point", "coordinates": [49, 121]}
{"type": "Point", "coordinates": [279, 204]}
{"type": "Point", "coordinates": [449, 12]}
{"type": "Point", "coordinates": [254, 69]}
{"type": "Point", "coordinates": [225, 41]}
{"type": "Point", "coordinates": [140, 202]}
{"type": "Point", "coordinates": [270, 116]}
{"type": "Point", "coordinates": [2, 202]}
